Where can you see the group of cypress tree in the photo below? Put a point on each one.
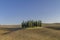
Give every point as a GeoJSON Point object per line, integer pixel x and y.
{"type": "Point", "coordinates": [31, 23]}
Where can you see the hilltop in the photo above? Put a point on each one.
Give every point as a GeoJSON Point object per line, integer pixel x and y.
{"type": "Point", "coordinates": [30, 34]}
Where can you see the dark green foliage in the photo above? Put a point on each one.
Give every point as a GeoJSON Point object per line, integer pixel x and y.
{"type": "Point", "coordinates": [39, 23]}
{"type": "Point", "coordinates": [35, 23]}
{"type": "Point", "coordinates": [31, 23]}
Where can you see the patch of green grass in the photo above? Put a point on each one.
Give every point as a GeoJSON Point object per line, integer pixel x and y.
{"type": "Point", "coordinates": [34, 28]}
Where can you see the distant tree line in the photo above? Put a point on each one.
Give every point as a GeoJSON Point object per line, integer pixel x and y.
{"type": "Point", "coordinates": [31, 23]}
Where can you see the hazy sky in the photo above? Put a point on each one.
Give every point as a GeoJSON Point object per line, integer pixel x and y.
{"type": "Point", "coordinates": [15, 11]}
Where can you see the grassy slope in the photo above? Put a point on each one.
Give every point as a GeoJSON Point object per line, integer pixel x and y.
{"type": "Point", "coordinates": [31, 34]}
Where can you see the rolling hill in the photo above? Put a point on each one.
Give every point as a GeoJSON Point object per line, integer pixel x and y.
{"type": "Point", "coordinates": [29, 34]}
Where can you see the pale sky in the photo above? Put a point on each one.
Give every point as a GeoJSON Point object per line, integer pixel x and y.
{"type": "Point", "coordinates": [15, 11]}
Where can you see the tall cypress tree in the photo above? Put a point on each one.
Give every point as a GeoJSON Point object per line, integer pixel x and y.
{"type": "Point", "coordinates": [39, 23]}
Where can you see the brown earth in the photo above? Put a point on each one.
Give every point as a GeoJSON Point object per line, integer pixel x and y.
{"type": "Point", "coordinates": [29, 34]}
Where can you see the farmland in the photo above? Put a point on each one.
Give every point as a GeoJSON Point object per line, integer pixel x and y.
{"type": "Point", "coordinates": [46, 32]}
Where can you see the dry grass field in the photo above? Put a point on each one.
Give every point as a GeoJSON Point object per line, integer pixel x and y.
{"type": "Point", "coordinates": [41, 33]}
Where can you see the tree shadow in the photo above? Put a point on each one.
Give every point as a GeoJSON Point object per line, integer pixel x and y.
{"type": "Point", "coordinates": [9, 30]}
{"type": "Point", "coordinates": [53, 27]}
